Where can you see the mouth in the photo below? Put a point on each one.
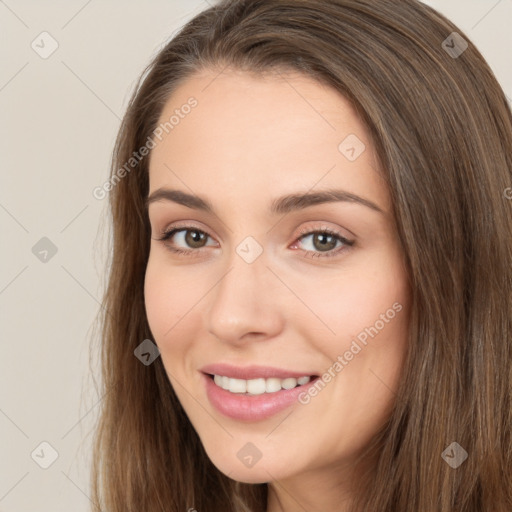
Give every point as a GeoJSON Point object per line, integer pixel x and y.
{"type": "Point", "coordinates": [256, 399]}
{"type": "Point", "coordinates": [254, 393]}
{"type": "Point", "coordinates": [260, 385]}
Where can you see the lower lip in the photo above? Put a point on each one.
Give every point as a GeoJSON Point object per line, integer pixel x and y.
{"type": "Point", "coordinates": [252, 408]}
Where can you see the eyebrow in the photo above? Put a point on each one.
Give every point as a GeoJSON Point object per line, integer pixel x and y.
{"type": "Point", "coordinates": [280, 205]}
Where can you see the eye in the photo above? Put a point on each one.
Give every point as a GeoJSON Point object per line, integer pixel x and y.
{"type": "Point", "coordinates": [188, 235]}
{"type": "Point", "coordinates": [323, 242]}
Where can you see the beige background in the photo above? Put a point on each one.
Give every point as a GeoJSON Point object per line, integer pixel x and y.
{"type": "Point", "coordinates": [59, 119]}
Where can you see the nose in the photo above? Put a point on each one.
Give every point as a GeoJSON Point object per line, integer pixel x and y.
{"type": "Point", "coordinates": [247, 303]}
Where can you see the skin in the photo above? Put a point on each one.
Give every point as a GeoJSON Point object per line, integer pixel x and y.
{"type": "Point", "coordinates": [249, 140]}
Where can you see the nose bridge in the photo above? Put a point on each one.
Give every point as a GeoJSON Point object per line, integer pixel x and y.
{"type": "Point", "coordinates": [243, 300]}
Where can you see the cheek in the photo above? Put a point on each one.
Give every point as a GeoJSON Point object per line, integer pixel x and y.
{"type": "Point", "coordinates": [168, 297]}
{"type": "Point", "coordinates": [156, 299]}
{"type": "Point", "coordinates": [367, 300]}
{"type": "Point", "coordinates": [373, 319]}
{"type": "Point", "coordinates": [369, 312]}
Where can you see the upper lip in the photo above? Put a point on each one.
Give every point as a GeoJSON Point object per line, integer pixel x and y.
{"type": "Point", "coordinates": [252, 372]}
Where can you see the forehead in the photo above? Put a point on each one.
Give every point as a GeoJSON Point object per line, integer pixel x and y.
{"type": "Point", "coordinates": [283, 131]}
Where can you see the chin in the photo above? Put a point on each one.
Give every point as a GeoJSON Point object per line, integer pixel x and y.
{"type": "Point", "coordinates": [236, 470]}
{"type": "Point", "coordinates": [248, 476]}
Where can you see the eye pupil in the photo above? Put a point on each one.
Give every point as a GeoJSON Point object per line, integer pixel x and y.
{"type": "Point", "coordinates": [324, 241]}
{"type": "Point", "coordinates": [194, 237]}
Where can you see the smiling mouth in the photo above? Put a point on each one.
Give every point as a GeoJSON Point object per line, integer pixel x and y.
{"type": "Point", "coordinates": [259, 386]}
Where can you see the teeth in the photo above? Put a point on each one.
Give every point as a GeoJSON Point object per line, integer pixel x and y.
{"type": "Point", "coordinates": [258, 386]}
{"type": "Point", "coordinates": [237, 385]}
{"type": "Point", "coordinates": [272, 385]}
{"type": "Point", "coordinates": [254, 386]}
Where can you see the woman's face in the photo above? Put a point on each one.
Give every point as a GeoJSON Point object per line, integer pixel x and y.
{"type": "Point", "coordinates": [261, 289]}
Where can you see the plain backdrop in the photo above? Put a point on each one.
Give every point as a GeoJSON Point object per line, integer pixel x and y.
{"type": "Point", "coordinates": [60, 115]}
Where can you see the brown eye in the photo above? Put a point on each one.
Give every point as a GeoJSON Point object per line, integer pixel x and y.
{"type": "Point", "coordinates": [324, 242]}
{"type": "Point", "coordinates": [195, 238]}
{"type": "Point", "coordinates": [190, 241]}
{"type": "Point", "coordinates": [183, 240]}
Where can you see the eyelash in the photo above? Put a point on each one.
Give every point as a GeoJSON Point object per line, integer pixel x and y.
{"type": "Point", "coordinates": [166, 235]}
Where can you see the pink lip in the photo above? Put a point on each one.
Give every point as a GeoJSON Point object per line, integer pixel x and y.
{"type": "Point", "coordinates": [243, 407]}
{"type": "Point", "coordinates": [252, 372]}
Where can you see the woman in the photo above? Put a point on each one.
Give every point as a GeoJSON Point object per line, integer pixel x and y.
{"type": "Point", "coordinates": [309, 303]}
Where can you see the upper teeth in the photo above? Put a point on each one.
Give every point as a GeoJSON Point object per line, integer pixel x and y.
{"type": "Point", "coordinates": [258, 386]}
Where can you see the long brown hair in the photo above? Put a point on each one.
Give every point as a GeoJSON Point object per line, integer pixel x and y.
{"type": "Point", "coordinates": [442, 128]}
